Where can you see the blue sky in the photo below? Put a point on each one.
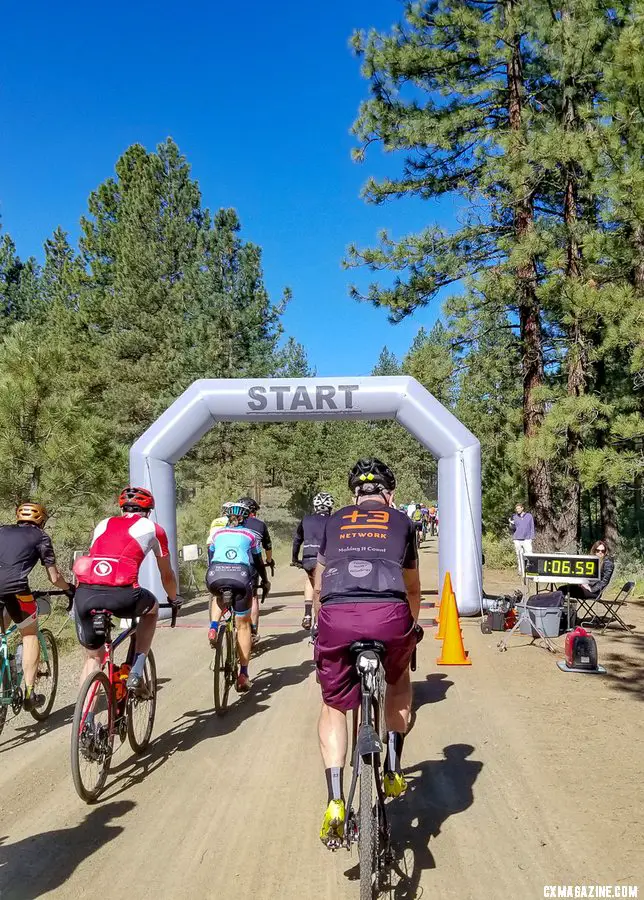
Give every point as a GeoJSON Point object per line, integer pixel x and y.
{"type": "Point", "coordinates": [259, 96]}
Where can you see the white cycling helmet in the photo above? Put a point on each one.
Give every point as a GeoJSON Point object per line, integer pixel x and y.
{"type": "Point", "coordinates": [323, 502]}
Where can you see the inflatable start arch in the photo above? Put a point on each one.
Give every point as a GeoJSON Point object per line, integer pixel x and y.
{"type": "Point", "coordinates": [207, 401]}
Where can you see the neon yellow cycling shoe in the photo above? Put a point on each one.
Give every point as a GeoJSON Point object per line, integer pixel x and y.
{"type": "Point", "coordinates": [332, 830]}
{"type": "Point", "coordinates": [395, 784]}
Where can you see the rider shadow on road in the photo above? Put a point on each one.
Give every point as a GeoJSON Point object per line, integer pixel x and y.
{"type": "Point", "coordinates": [437, 789]}
{"type": "Point", "coordinates": [432, 690]}
{"type": "Point", "coordinates": [195, 726]}
{"type": "Point", "coordinates": [35, 865]}
{"type": "Point", "coordinates": [32, 729]}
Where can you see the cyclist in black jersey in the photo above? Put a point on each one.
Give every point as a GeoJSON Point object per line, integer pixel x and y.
{"type": "Point", "coordinates": [308, 536]}
{"type": "Point", "coordinates": [21, 546]}
{"type": "Point", "coordinates": [368, 586]}
{"type": "Point", "coordinates": [260, 528]}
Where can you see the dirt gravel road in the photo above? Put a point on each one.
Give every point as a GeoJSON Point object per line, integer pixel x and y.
{"type": "Point", "coordinates": [520, 777]}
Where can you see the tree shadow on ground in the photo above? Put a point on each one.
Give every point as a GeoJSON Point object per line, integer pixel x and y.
{"type": "Point", "coordinates": [276, 641]}
{"type": "Point", "coordinates": [437, 789]}
{"type": "Point", "coordinates": [31, 729]}
{"type": "Point", "coordinates": [196, 726]}
{"type": "Point", "coordinates": [281, 594]}
{"type": "Point", "coordinates": [624, 663]}
{"type": "Point", "coordinates": [43, 862]}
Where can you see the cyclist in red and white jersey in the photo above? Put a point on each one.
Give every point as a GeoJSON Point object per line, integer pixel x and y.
{"type": "Point", "coordinates": [108, 579]}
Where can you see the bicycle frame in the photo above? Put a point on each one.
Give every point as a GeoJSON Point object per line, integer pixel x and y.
{"type": "Point", "coordinates": [366, 741]}
{"type": "Point", "coordinates": [15, 682]}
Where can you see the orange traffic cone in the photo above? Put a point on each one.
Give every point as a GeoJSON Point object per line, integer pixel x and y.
{"type": "Point", "coordinates": [453, 652]}
{"type": "Point", "coordinates": [442, 609]}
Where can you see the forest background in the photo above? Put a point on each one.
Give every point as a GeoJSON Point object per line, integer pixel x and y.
{"type": "Point", "coordinates": [530, 117]}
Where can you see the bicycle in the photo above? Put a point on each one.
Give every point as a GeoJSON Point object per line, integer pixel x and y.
{"type": "Point", "coordinates": [370, 828]}
{"type": "Point", "coordinates": [11, 673]}
{"type": "Point", "coordinates": [114, 709]}
{"type": "Point", "coordinates": [225, 662]}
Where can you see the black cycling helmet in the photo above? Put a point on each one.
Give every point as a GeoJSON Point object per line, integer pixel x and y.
{"type": "Point", "coordinates": [253, 505]}
{"type": "Point", "coordinates": [371, 476]}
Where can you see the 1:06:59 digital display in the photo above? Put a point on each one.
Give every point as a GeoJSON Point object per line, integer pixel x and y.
{"type": "Point", "coordinates": [561, 565]}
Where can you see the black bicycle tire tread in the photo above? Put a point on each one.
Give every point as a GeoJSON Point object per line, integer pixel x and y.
{"type": "Point", "coordinates": [3, 709]}
{"type": "Point", "coordinates": [88, 796]}
{"type": "Point", "coordinates": [41, 714]}
{"type": "Point", "coordinates": [366, 841]}
{"type": "Point", "coordinates": [221, 701]}
{"type": "Point", "coordinates": [140, 746]}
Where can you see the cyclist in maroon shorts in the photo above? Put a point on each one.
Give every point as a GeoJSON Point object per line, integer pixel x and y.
{"type": "Point", "coordinates": [367, 585]}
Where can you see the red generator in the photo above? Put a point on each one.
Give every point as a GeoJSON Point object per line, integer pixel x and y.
{"type": "Point", "coordinates": [581, 652]}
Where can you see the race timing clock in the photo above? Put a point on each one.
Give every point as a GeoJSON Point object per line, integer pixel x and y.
{"type": "Point", "coordinates": [558, 565]}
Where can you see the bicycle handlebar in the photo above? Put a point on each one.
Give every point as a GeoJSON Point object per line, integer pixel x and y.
{"type": "Point", "coordinates": [175, 609]}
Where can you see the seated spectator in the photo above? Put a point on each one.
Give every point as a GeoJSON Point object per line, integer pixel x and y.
{"type": "Point", "coordinates": [593, 589]}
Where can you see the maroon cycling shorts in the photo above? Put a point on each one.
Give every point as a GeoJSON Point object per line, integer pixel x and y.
{"type": "Point", "coordinates": [339, 625]}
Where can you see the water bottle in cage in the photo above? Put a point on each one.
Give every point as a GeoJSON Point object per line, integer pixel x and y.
{"type": "Point", "coordinates": [227, 614]}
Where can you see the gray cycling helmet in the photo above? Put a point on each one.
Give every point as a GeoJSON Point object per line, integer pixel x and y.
{"type": "Point", "coordinates": [323, 503]}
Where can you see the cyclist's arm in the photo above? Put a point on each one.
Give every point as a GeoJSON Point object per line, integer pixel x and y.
{"type": "Point", "coordinates": [317, 588]}
{"type": "Point", "coordinates": [298, 540]}
{"type": "Point", "coordinates": [267, 544]}
{"type": "Point", "coordinates": [258, 562]}
{"type": "Point", "coordinates": [168, 579]}
{"type": "Point", "coordinates": [411, 578]}
{"type": "Point", "coordinates": [56, 578]}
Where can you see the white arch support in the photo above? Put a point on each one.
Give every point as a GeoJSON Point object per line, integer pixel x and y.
{"type": "Point", "coordinates": [153, 456]}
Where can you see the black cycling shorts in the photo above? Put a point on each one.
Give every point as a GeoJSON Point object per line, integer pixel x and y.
{"type": "Point", "coordinates": [309, 564]}
{"type": "Point", "coordinates": [124, 602]}
{"type": "Point", "coordinates": [233, 577]}
{"type": "Point", "coordinates": [22, 608]}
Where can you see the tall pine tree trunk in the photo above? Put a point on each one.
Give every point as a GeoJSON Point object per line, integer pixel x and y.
{"type": "Point", "coordinates": [538, 473]}
{"type": "Point", "coordinates": [569, 530]}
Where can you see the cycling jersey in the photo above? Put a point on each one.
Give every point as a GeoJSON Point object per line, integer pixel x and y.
{"type": "Point", "coordinates": [21, 546]}
{"type": "Point", "coordinates": [119, 546]}
{"type": "Point", "coordinates": [308, 536]}
{"type": "Point", "coordinates": [235, 546]}
{"type": "Point", "coordinates": [261, 529]}
{"type": "Point", "coordinates": [364, 550]}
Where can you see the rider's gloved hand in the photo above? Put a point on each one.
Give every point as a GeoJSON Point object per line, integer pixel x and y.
{"type": "Point", "coordinates": [419, 631]}
{"type": "Point", "coordinates": [266, 586]}
{"type": "Point", "coordinates": [271, 566]}
{"type": "Point", "coordinates": [314, 631]}
{"type": "Point", "coordinates": [177, 603]}
{"type": "Point", "coordinates": [70, 596]}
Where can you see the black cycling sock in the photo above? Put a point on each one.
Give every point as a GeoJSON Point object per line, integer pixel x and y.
{"type": "Point", "coordinates": [308, 610]}
{"type": "Point", "coordinates": [395, 741]}
{"type": "Point", "coordinates": [334, 783]}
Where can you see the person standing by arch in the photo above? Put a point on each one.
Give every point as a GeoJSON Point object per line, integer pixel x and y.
{"type": "Point", "coordinates": [522, 526]}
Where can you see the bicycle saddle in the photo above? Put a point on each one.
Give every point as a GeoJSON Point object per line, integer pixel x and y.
{"type": "Point", "coordinates": [365, 644]}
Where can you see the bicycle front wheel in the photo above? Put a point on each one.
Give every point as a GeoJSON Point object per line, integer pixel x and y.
{"type": "Point", "coordinates": [224, 667]}
{"type": "Point", "coordinates": [92, 736]}
{"type": "Point", "coordinates": [141, 710]}
{"type": "Point", "coordinates": [367, 831]}
{"type": "Point", "coordinates": [47, 674]}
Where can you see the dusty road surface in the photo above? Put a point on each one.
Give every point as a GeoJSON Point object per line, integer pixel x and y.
{"type": "Point", "coordinates": [520, 777]}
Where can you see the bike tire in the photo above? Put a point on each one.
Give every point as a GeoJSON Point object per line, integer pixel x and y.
{"type": "Point", "coordinates": [223, 663]}
{"type": "Point", "coordinates": [139, 744]}
{"type": "Point", "coordinates": [366, 831]}
{"type": "Point", "coordinates": [91, 794]}
{"type": "Point", "coordinates": [46, 639]}
{"type": "Point", "coordinates": [6, 690]}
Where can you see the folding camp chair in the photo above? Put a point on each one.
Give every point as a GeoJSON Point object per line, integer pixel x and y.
{"type": "Point", "coordinates": [587, 608]}
{"type": "Point", "coordinates": [612, 607]}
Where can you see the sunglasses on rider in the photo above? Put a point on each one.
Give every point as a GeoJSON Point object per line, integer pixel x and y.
{"type": "Point", "coordinates": [600, 550]}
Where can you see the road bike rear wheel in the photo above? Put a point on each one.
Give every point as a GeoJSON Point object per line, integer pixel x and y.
{"type": "Point", "coordinates": [92, 736]}
{"type": "Point", "coordinates": [6, 692]}
{"type": "Point", "coordinates": [224, 673]}
{"type": "Point", "coordinates": [47, 674]}
{"type": "Point", "coordinates": [367, 831]}
{"type": "Point", "coordinates": [141, 710]}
